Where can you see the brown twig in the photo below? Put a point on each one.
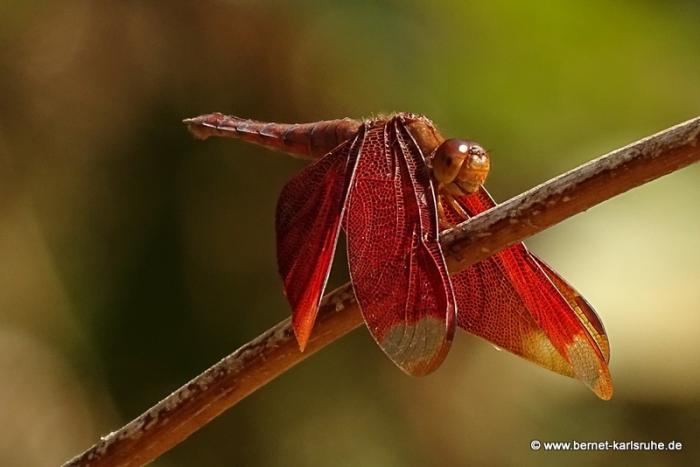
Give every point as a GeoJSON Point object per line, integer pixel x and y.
{"type": "Point", "coordinates": [260, 361]}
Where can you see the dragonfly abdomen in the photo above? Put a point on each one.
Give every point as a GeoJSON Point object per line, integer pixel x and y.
{"type": "Point", "coordinates": [305, 140]}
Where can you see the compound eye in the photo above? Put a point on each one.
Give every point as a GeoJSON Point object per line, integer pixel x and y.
{"type": "Point", "coordinates": [448, 159]}
{"type": "Point", "coordinates": [461, 164]}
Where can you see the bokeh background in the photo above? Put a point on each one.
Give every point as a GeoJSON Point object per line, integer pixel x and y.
{"type": "Point", "coordinates": [132, 257]}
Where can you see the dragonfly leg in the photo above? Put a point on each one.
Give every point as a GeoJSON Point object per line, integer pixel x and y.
{"type": "Point", "coordinates": [457, 207]}
{"type": "Point", "coordinates": [442, 217]}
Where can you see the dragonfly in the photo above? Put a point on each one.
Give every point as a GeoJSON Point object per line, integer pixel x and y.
{"type": "Point", "coordinates": [392, 184]}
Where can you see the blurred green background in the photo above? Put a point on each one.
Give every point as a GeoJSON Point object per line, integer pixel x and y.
{"type": "Point", "coordinates": [132, 257]}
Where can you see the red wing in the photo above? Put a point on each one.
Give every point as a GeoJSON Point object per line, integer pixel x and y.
{"type": "Point", "coordinates": [519, 303]}
{"type": "Point", "coordinates": [309, 211]}
{"type": "Point", "coordinates": [589, 318]}
{"type": "Point", "coordinates": [396, 264]}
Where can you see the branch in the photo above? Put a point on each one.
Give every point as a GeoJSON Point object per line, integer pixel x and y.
{"type": "Point", "coordinates": [261, 360]}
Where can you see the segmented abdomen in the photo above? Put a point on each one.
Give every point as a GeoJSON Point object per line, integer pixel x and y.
{"type": "Point", "coordinates": [305, 140]}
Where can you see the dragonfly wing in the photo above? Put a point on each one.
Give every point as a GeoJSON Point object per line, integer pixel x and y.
{"type": "Point", "coordinates": [519, 303]}
{"type": "Point", "coordinates": [589, 317]}
{"type": "Point", "coordinates": [309, 212]}
{"type": "Point", "coordinates": [396, 264]}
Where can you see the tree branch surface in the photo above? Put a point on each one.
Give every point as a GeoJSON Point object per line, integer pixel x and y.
{"type": "Point", "coordinates": [269, 355]}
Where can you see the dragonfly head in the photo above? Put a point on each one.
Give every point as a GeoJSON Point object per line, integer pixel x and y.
{"type": "Point", "coordinates": [460, 165]}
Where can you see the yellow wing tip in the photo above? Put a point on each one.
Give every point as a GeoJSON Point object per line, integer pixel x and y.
{"type": "Point", "coordinates": [602, 385]}
{"type": "Point", "coordinates": [590, 368]}
{"type": "Point", "coordinates": [423, 352]}
{"type": "Point", "coordinates": [604, 391]}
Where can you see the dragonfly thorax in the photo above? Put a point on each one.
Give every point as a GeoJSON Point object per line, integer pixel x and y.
{"type": "Point", "coordinates": [460, 166]}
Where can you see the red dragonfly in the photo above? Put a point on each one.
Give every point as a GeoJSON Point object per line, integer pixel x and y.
{"type": "Point", "coordinates": [392, 183]}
